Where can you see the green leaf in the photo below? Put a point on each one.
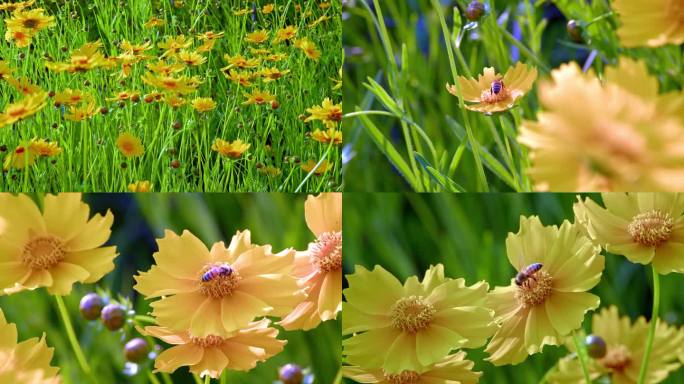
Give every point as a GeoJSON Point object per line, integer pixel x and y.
{"type": "Point", "coordinates": [437, 177]}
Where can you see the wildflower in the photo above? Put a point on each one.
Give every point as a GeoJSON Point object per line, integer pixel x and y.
{"type": "Point", "coordinates": [129, 145]}
{"type": "Point", "coordinates": [493, 92]}
{"type": "Point", "coordinates": [452, 369]}
{"type": "Point", "coordinates": [91, 306]}
{"type": "Point", "coordinates": [173, 45]}
{"type": "Point", "coordinates": [329, 113]}
{"type": "Point", "coordinates": [270, 171]}
{"type": "Point", "coordinates": [210, 35]}
{"type": "Point", "coordinates": [283, 34]}
{"type": "Point", "coordinates": [549, 305]}
{"type": "Point", "coordinates": [242, 78]}
{"type": "Point", "coordinates": [203, 104]}
{"type": "Point", "coordinates": [602, 134]}
{"type": "Point", "coordinates": [331, 135]}
{"type": "Point", "coordinates": [272, 74]}
{"type": "Point", "coordinates": [276, 57]}
{"type": "Point", "coordinates": [17, 6]}
{"type": "Point", "coordinates": [240, 350]}
{"type": "Point", "coordinates": [309, 48]}
{"type": "Point", "coordinates": [69, 97]}
{"type": "Point", "coordinates": [31, 21]}
{"type": "Point", "coordinates": [624, 342]}
{"type": "Point", "coordinates": [154, 21]}
{"type": "Point", "coordinates": [207, 46]}
{"type": "Point", "coordinates": [25, 362]}
{"type": "Point", "coordinates": [268, 8]}
{"type": "Point", "coordinates": [649, 23]}
{"type": "Point", "coordinates": [234, 149]}
{"type": "Point", "coordinates": [83, 59]}
{"type": "Point", "coordinates": [21, 37]}
{"type": "Point", "coordinates": [192, 59]}
{"type": "Point", "coordinates": [83, 112]}
{"type": "Point", "coordinates": [137, 51]}
{"type": "Point", "coordinates": [182, 85]}
{"type": "Point", "coordinates": [20, 158]}
{"type": "Point", "coordinates": [644, 227]}
{"type": "Point", "coordinates": [415, 325]}
{"type": "Point", "coordinates": [140, 186]}
{"type": "Point", "coordinates": [174, 101]}
{"type": "Point", "coordinates": [5, 70]}
{"type": "Point", "coordinates": [311, 164]}
{"type": "Point", "coordinates": [26, 107]}
{"type": "Point", "coordinates": [41, 147]}
{"type": "Point", "coordinates": [54, 248]}
{"type": "Point", "coordinates": [124, 96]}
{"type": "Point", "coordinates": [24, 85]}
{"type": "Point", "coordinates": [258, 97]}
{"type": "Point", "coordinates": [241, 62]}
{"type": "Point", "coordinates": [165, 69]}
{"type": "Point", "coordinates": [258, 284]}
{"type": "Point", "coordinates": [257, 37]}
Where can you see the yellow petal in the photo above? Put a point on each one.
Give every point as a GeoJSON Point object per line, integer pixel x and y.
{"type": "Point", "coordinates": [213, 363]}
{"type": "Point", "coordinates": [172, 311]}
{"type": "Point", "coordinates": [324, 213]}
{"type": "Point", "coordinates": [64, 275]}
{"type": "Point", "coordinates": [369, 348]}
{"type": "Point", "coordinates": [156, 283]}
{"type": "Point", "coordinates": [401, 354]}
{"type": "Point", "coordinates": [65, 214]}
{"type": "Point", "coordinates": [13, 272]}
{"type": "Point", "coordinates": [475, 324]}
{"type": "Point", "coordinates": [508, 344]}
{"type": "Point", "coordinates": [363, 288]}
{"type": "Point", "coordinates": [433, 343]}
{"type": "Point", "coordinates": [668, 258]}
{"type": "Point", "coordinates": [566, 310]}
{"type": "Point", "coordinates": [181, 256]}
{"type": "Point", "coordinates": [98, 262]}
{"type": "Point", "coordinates": [330, 299]}
{"type": "Point", "coordinates": [239, 309]}
{"type": "Point", "coordinates": [178, 356]}
{"type": "Point", "coordinates": [92, 234]}
{"type": "Point", "coordinates": [539, 331]}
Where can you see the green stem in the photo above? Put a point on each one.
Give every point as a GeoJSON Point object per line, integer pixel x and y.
{"type": "Point", "coordinates": [526, 51]}
{"type": "Point", "coordinates": [144, 319]}
{"type": "Point", "coordinates": [581, 356]}
{"type": "Point", "coordinates": [72, 335]}
{"type": "Point", "coordinates": [153, 378]}
{"type": "Point", "coordinates": [599, 18]}
{"type": "Point", "coordinates": [651, 327]}
{"type": "Point", "coordinates": [207, 379]}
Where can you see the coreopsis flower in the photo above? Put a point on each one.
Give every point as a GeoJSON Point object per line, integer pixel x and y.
{"type": "Point", "coordinates": [646, 228]}
{"type": "Point", "coordinates": [624, 352]}
{"type": "Point", "coordinates": [328, 136]}
{"type": "Point", "coordinates": [453, 369]}
{"type": "Point", "coordinates": [276, 57]}
{"type": "Point", "coordinates": [309, 48]}
{"type": "Point", "coordinates": [5, 70]}
{"type": "Point", "coordinates": [258, 97]}
{"type": "Point", "coordinates": [602, 135]}
{"type": "Point", "coordinates": [219, 291]}
{"type": "Point", "coordinates": [140, 186]}
{"type": "Point", "coordinates": [268, 8]}
{"type": "Point", "coordinates": [210, 35]}
{"type": "Point", "coordinates": [242, 78]}
{"type": "Point", "coordinates": [405, 328]}
{"type": "Point", "coordinates": [69, 97]}
{"type": "Point", "coordinates": [84, 59]}
{"type": "Point", "coordinates": [154, 21]}
{"type": "Point", "coordinates": [174, 100]}
{"type": "Point", "coordinates": [124, 96]}
{"type": "Point", "coordinates": [20, 158]}
{"type": "Point", "coordinates": [21, 37]}
{"type": "Point", "coordinates": [27, 361]}
{"type": "Point", "coordinates": [233, 149]}
{"type": "Point", "coordinates": [182, 85]}
{"type": "Point", "coordinates": [191, 59]}
{"type": "Point", "coordinates": [492, 92]}
{"type": "Point", "coordinates": [241, 62]}
{"type": "Point", "coordinates": [257, 37]}
{"type": "Point", "coordinates": [16, 6]}
{"type": "Point", "coordinates": [272, 74]}
{"type": "Point", "coordinates": [240, 350]}
{"type": "Point", "coordinates": [130, 145]}
{"type": "Point", "coordinates": [310, 164]}
{"type": "Point", "coordinates": [26, 107]}
{"type": "Point", "coordinates": [270, 171]}
{"type": "Point", "coordinates": [206, 46]}
{"type": "Point", "coordinates": [24, 24]}
{"type": "Point", "coordinates": [286, 33]}
{"type": "Point", "coordinates": [548, 298]}
{"type": "Point", "coordinates": [650, 22]}
{"type": "Point", "coordinates": [81, 112]}
{"type": "Point", "coordinates": [329, 113]}
{"type": "Point", "coordinates": [319, 268]}
{"type": "Point", "coordinates": [54, 248]}
{"type": "Point", "coordinates": [242, 12]}
{"type": "Point", "coordinates": [164, 68]}
{"type": "Point", "coordinates": [203, 104]}
{"type": "Point", "coordinates": [136, 50]}
{"type": "Point", "coordinates": [173, 45]}
{"type": "Point", "coordinates": [23, 85]}
{"type": "Point", "coordinates": [41, 147]}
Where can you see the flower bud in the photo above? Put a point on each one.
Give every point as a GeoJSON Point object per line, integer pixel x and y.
{"type": "Point", "coordinates": [474, 11]}
{"type": "Point", "coordinates": [136, 350]}
{"type": "Point", "coordinates": [291, 374]}
{"type": "Point", "coordinates": [596, 346]}
{"type": "Point", "coordinates": [113, 316]}
{"type": "Point", "coordinates": [574, 31]}
{"type": "Point", "coordinates": [91, 306]}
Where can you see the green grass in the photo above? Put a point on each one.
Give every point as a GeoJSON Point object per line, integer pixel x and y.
{"type": "Point", "coordinates": [91, 161]}
{"type": "Point", "coordinates": [406, 233]}
{"type": "Point", "coordinates": [408, 133]}
{"type": "Point", "coordinates": [277, 219]}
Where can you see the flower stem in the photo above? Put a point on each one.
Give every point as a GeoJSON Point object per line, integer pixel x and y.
{"type": "Point", "coordinates": [651, 327]}
{"type": "Point", "coordinates": [72, 335]}
{"type": "Point", "coordinates": [581, 356]}
{"type": "Point", "coordinates": [207, 379]}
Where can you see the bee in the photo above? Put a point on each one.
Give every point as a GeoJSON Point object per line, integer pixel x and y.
{"type": "Point", "coordinates": [215, 271]}
{"type": "Point", "coordinates": [527, 273]}
{"type": "Point", "coordinates": [497, 86]}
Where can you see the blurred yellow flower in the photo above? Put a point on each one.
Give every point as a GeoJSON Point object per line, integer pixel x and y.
{"type": "Point", "coordinates": [130, 145]}
{"type": "Point", "coordinates": [320, 20]}
{"type": "Point", "coordinates": [329, 113]}
{"type": "Point", "coordinates": [257, 37]}
{"type": "Point", "coordinates": [319, 268]}
{"type": "Point", "coordinates": [203, 104]}
{"type": "Point", "coordinates": [16, 6]}
{"type": "Point", "coordinates": [154, 21]}
{"type": "Point", "coordinates": [54, 248]}
{"type": "Point", "coordinates": [493, 92]}
{"type": "Point", "coordinates": [287, 33]}
{"type": "Point", "coordinates": [242, 12]}
{"type": "Point", "coordinates": [124, 95]}
{"type": "Point", "coordinates": [258, 97]}
{"type": "Point", "coordinates": [240, 61]}
{"type": "Point", "coordinates": [251, 282]}
{"type": "Point", "coordinates": [191, 58]}
{"type": "Point", "coordinates": [234, 149]}
{"type": "Point", "coordinates": [5, 70]}
{"type": "Point", "coordinates": [83, 112]}
{"type": "Point", "coordinates": [23, 85]}
{"type": "Point", "coordinates": [20, 158]}
{"type": "Point", "coordinates": [311, 164]}
{"type": "Point", "coordinates": [650, 22]}
{"type": "Point", "coordinates": [41, 147]}
{"type": "Point", "coordinates": [140, 186]}
{"type": "Point", "coordinates": [550, 303]}
{"type": "Point", "coordinates": [82, 60]}
{"type": "Point", "coordinates": [173, 45]}
{"type": "Point", "coordinates": [166, 69]}
{"type": "Point", "coordinates": [69, 97]}
{"type": "Point", "coordinates": [326, 137]}
{"type": "Point", "coordinates": [272, 74]}
{"type": "Point", "coordinates": [268, 8]}
{"type": "Point", "coordinates": [182, 85]}
{"type": "Point", "coordinates": [26, 107]}
{"type": "Point", "coordinates": [243, 78]}
{"type": "Point", "coordinates": [25, 23]}
{"type": "Point", "coordinates": [210, 35]}
{"type": "Point", "coordinates": [270, 171]}
{"type": "Point", "coordinates": [174, 100]}
{"type": "Point", "coordinates": [405, 328]}
{"type": "Point", "coordinates": [309, 48]}
{"type": "Point", "coordinates": [21, 37]}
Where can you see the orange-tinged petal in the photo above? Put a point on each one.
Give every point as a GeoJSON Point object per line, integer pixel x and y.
{"type": "Point", "coordinates": [207, 318]}
{"type": "Point", "coordinates": [171, 311]}
{"type": "Point", "coordinates": [156, 283]}
{"type": "Point", "coordinates": [213, 362]}
{"type": "Point", "coordinates": [304, 316]}
{"type": "Point", "coordinates": [178, 356]}
{"type": "Point", "coordinates": [323, 213]}
{"type": "Point", "coordinates": [240, 309]}
{"type": "Point", "coordinates": [12, 272]}
{"type": "Point", "coordinates": [23, 214]}
{"type": "Point", "coordinates": [98, 262]}
{"type": "Point", "coordinates": [330, 298]}
{"type": "Point", "coordinates": [65, 214]}
{"type": "Point", "coordinates": [181, 256]}
{"type": "Point", "coordinates": [164, 334]}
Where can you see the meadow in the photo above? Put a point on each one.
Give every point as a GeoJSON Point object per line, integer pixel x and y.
{"type": "Point", "coordinates": [170, 95]}
{"type": "Point", "coordinates": [140, 221]}
{"type": "Point", "coordinates": [601, 100]}
{"type": "Point", "coordinates": [406, 233]}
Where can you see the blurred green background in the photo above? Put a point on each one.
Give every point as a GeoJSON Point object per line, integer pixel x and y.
{"type": "Point", "coordinates": [276, 219]}
{"type": "Point", "coordinates": [406, 233]}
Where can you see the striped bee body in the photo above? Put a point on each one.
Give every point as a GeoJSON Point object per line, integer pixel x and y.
{"type": "Point", "coordinates": [216, 271]}
{"type": "Point", "coordinates": [527, 273]}
{"type": "Point", "coordinates": [497, 86]}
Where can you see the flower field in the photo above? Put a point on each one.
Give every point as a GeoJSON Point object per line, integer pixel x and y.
{"type": "Point", "coordinates": [170, 95]}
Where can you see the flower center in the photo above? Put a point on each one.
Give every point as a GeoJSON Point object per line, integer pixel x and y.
{"type": "Point", "coordinates": [209, 341]}
{"type": "Point", "coordinates": [412, 314]}
{"type": "Point", "coordinates": [17, 112]}
{"type": "Point", "coordinates": [326, 252]}
{"type": "Point", "coordinates": [218, 280]}
{"type": "Point", "coordinates": [405, 377]}
{"type": "Point", "coordinates": [30, 23]}
{"type": "Point", "coordinates": [651, 228]}
{"type": "Point", "coordinates": [617, 358]}
{"type": "Point", "coordinates": [335, 115]}
{"type": "Point", "coordinates": [43, 252]}
{"type": "Point", "coordinates": [535, 289]}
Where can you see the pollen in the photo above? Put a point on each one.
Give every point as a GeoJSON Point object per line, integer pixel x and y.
{"type": "Point", "coordinates": [220, 285]}
{"type": "Point", "coordinates": [405, 377]}
{"type": "Point", "coordinates": [205, 342]}
{"type": "Point", "coordinates": [617, 358]}
{"type": "Point", "coordinates": [412, 314]}
{"type": "Point", "coordinates": [652, 228]}
{"type": "Point", "coordinates": [326, 252]}
{"type": "Point", "coordinates": [535, 290]}
{"type": "Point", "coordinates": [488, 97]}
{"type": "Point", "coordinates": [43, 252]}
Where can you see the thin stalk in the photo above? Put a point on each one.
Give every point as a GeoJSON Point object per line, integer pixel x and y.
{"type": "Point", "coordinates": [152, 377]}
{"type": "Point", "coordinates": [526, 51]}
{"type": "Point", "coordinates": [207, 379]}
{"type": "Point", "coordinates": [599, 18]}
{"type": "Point", "coordinates": [72, 335]}
{"type": "Point", "coordinates": [651, 327]}
{"type": "Point", "coordinates": [581, 356]}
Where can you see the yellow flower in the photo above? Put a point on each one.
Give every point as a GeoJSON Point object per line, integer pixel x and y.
{"type": "Point", "coordinates": [21, 37]}
{"type": "Point", "coordinates": [182, 85]}
{"type": "Point", "coordinates": [41, 147]}
{"type": "Point", "coordinates": [217, 292]}
{"type": "Point", "coordinates": [25, 362]}
{"type": "Point", "coordinates": [32, 20]}
{"type": "Point", "coordinates": [329, 113]}
{"type": "Point", "coordinates": [140, 186]}
{"type": "Point", "coordinates": [11, 7]}
{"type": "Point", "coordinates": [124, 95]}
{"type": "Point", "coordinates": [174, 100]}
{"type": "Point", "coordinates": [650, 22]}
{"type": "Point", "coordinates": [210, 35]}
{"type": "Point", "coordinates": [26, 107]}
{"type": "Point", "coordinates": [242, 12]}
{"type": "Point", "coordinates": [55, 248]}
{"type": "Point", "coordinates": [601, 136]}
{"type": "Point", "coordinates": [495, 93]}
{"type": "Point", "coordinates": [239, 351]}
{"type": "Point", "coordinates": [257, 37]}
{"type": "Point", "coordinates": [135, 50]}
{"type": "Point", "coordinates": [203, 104]}
{"type": "Point", "coordinates": [242, 78]}
{"type": "Point", "coordinates": [309, 48]}
{"type": "Point", "coordinates": [286, 33]}
{"type": "Point", "coordinates": [80, 113]}
{"type": "Point", "coordinates": [319, 268]}
{"type": "Point", "coordinates": [311, 164]}
{"type": "Point", "coordinates": [624, 351]}
{"type": "Point", "coordinates": [268, 8]}
{"type": "Point", "coordinates": [644, 227]}
{"type": "Point", "coordinates": [191, 58]}
{"type": "Point", "coordinates": [163, 68]}
{"type": "Point", "coordinates": [83, 59]}
{"type": "Point", "coordinates": [69, 97]}
{"type": "Point", "coordinates": [234, 149]}
{"type": "Point", "coordinates": [154, 21]}
{"type": "Point", "coordinates": [550, 303]}
{"type": "Point", "coordinates": [270, 171]}
{"type": "Point", "coordinates": [20, 158]}
{"type": "Point", "coordinates": [5, 70]}
{"type": "Point", "coordinates": [258, 97]}
{"type": "Point", "coordinates": [23, 85]}
{"type": "Point", "coordinates": [276, 57]}
{"type": "Point", "coordinates": [399, 328]}
{"type": "Point", "coordinates": [272, 74]}
{"type": "Point", "coordinates": [240, 61]}
{"type": "Point", "coordinates": [451, 370]}
{"type": "Point", "coordinates": [129, 145]}
{"type": "Point", "coordinates": [173, 45]}
{"type": "Point", "coordinates": [326, 137]}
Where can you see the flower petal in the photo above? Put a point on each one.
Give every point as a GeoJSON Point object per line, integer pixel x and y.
{"type": "Point", "coordinates": [435, 342]}
{"type": "Point", "coordinates": [181, 256]}
{"type": "Point", "coordinates": [402, 354]}
{"type": "Point", "coordinates": [669, 257]}
{"type": "Point", "coordinates": [213, 363]}
{"type": "Point", "coordinates": [330, 298]}
{"type": "Point", "coordinates": [323, 213]}
{"type": "Point", "coordinates": [566, 310]}
{"type": "Point", "coordinates": [364, 286]}
{"type": "Point", "coordinates": [65, 214]}
{"type": "Point", "coordinates": [175, 357]}
{"type": "Point", "coordinates": [64, 275]}
{"type": "Point", "coordinates": [156, 283]}
{"type": "Point", "coordinates": [98, 261]}
{"type": "Point", "coordinates": [539, 331]}
{"type": "Point", "coordinates": [91, 234]}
